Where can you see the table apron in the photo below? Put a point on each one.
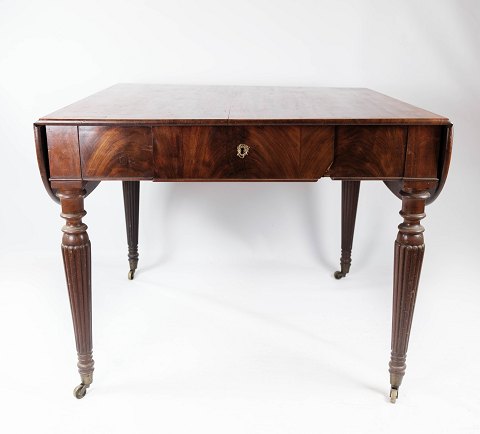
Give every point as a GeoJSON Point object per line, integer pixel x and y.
{"type": "Point", "coordinates": [244, 153]}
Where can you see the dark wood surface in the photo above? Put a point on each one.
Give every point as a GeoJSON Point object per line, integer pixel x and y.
{"type": "Point", "coordinates": [116, 153]}
{"type": "Point", "coordinates": [131, 202]}
{"type": "Point", "coordinates": [154, 104]}
{"type": "Point", "coordinates": [369, 152]}
{"type": "Point", "coordinates": [275, 152]}
{"type": "Point", "coordinates": [63, 150]}
{"type": "Point", "coordinates": [350, 191]}
{"type": "Point", "coordinates": [77, 262]}
{"type": "Point", "coordinates": [409, 250]}
{"type": "Point", "coordinates": [215, 133]}
{"type": "Point", "coordinates": [209, 153]}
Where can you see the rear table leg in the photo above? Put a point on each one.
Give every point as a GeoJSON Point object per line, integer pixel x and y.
{"type": "Point", "coordinates": [350, 190]}
{"type": "Point", "coordinates": [131, 196]}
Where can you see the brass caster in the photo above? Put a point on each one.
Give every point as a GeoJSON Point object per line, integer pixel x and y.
{"type": "Point", "coordinates": [338, 275]}
{"type": "Point", "coordinates": [80, 391]}
{"type": "Point", "coordinates": [393, 395]}
{"type": "Point", "coordinates": [131, 273]}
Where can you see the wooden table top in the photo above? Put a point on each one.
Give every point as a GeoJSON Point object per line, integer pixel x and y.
{"type": "Point", "coordinates": [222, 105]}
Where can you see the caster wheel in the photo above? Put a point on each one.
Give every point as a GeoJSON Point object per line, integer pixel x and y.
{"type": "Point", "coordinates": [338, 275]}
{"type": "Point", "coordinates": [393, 395]}
{"type": "Point", "coordinates": [80, 391]}
{"type": "Point", "coordinates": [131, 273]}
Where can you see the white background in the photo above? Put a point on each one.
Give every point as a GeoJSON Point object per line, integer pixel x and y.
{"type": "Point", "coordinates": [234, 323]}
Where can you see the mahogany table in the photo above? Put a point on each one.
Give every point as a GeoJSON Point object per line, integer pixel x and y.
{"type": "Point", "coordinates": [138, 132]}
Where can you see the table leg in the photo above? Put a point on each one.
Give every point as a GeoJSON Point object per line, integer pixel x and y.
{"type": "Point", "coordinates": [350, 190]}
{"type": "Point", "coordinates": [77, 262]}
{"type": "Point", "coordinates": [409, 249]}
{"type": "Point", "coordinates": [131, 201]}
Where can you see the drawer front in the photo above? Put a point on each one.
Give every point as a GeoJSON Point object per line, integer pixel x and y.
{"type": "Point", "coordinates": [242, 152]}
{"type": "Point", "coordinates": [193, 152]}
{"type": "Point", "coordinates": [116, 152]}
{"type": "Point", "coordinates": [369, 152]}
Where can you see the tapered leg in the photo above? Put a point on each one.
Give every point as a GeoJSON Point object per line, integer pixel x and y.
{"type": "Point", "coordinates": [409, 249]}
{"type": "Point", "coordinates": [131, 201]}
{"type": "Point", "coordinates": [77, 262]}
{"type": "Point", "coordinates": [350, 190]}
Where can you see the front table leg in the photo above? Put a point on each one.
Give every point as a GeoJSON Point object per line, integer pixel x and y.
{"type": "Point", "coordinates": [77, 262]}
{"type": "Point", "coordinates": [409, 249]}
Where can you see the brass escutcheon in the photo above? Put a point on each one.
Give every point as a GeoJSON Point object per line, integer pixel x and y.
{"type": "Point", "coordinates": [242, 150]}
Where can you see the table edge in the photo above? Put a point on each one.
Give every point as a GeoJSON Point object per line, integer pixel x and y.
{"type": "Point", "coordinates": [226, 122]}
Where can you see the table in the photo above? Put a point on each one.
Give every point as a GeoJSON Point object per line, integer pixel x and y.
{"type": "Point", "coordinates": [140, 132]}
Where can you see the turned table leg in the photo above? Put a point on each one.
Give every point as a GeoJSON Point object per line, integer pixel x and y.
{"type": "Point", "coordinates": [131, 197]}
{"type": "Point", "coordinates": [409, 249]}
{"type": "Point", "coordinates": [350, 190]}
{"type": "Point", "coordinates": [77, 262]}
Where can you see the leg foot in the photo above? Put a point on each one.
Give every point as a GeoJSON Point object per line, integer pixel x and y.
{"type": "Point", "coordinates": [350, 190]}
{"type": "Point", "coordinates": [80, 391]}
{"type": "Point", "coordinates": [393, 395]}
{"type": "Point", "coordinates": [131, 201]}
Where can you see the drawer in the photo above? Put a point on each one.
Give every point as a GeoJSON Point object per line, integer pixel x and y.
{"type": "Point", "coordinates": [116, 152]}
{"type": "Point", "coordinates": [373, 152]}
{"type": "Point", "coordinates": [242, 152]}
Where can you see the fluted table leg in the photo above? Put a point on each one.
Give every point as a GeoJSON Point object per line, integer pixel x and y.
{"type": "Point", "coordinates": [131, 201]}
{"type": "Point", "coordinates": [350, 190]}
{"type": "Point", "coordinates": [409, 250]}
{"type": "Point", "coordinates": [77, 262]}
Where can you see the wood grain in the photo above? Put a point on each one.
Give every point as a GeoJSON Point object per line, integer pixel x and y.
{"type": "Point", "coordinates": [42, 159]}
{"type": "Point", "coordinates": [423, 148]}
{"type": "Point", "coordinates": [116, 152]}
{"type": "Point", "coordinates": [374, 152]}
{"type": "Point", "coordinates": [274, 152]}
{"type": "Point", "coordinates": [316, 153]}
{"type": "Point", "coordinates": [44, 165]}
{"type": "Point", "coordinates": [443, 161]}
{"type": "Point", "coordinates": [210, 153]}
{"type": "Point", "coordinates": [168, 155]}
{"type": "Point", "coordinates": [221, 105]}
{"type": "Point", "coordinates": [192, 153]}
{"type": "Point", "coordinates": [63, 152]}
{"type": "Point", "coordinates": [443, 164]}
